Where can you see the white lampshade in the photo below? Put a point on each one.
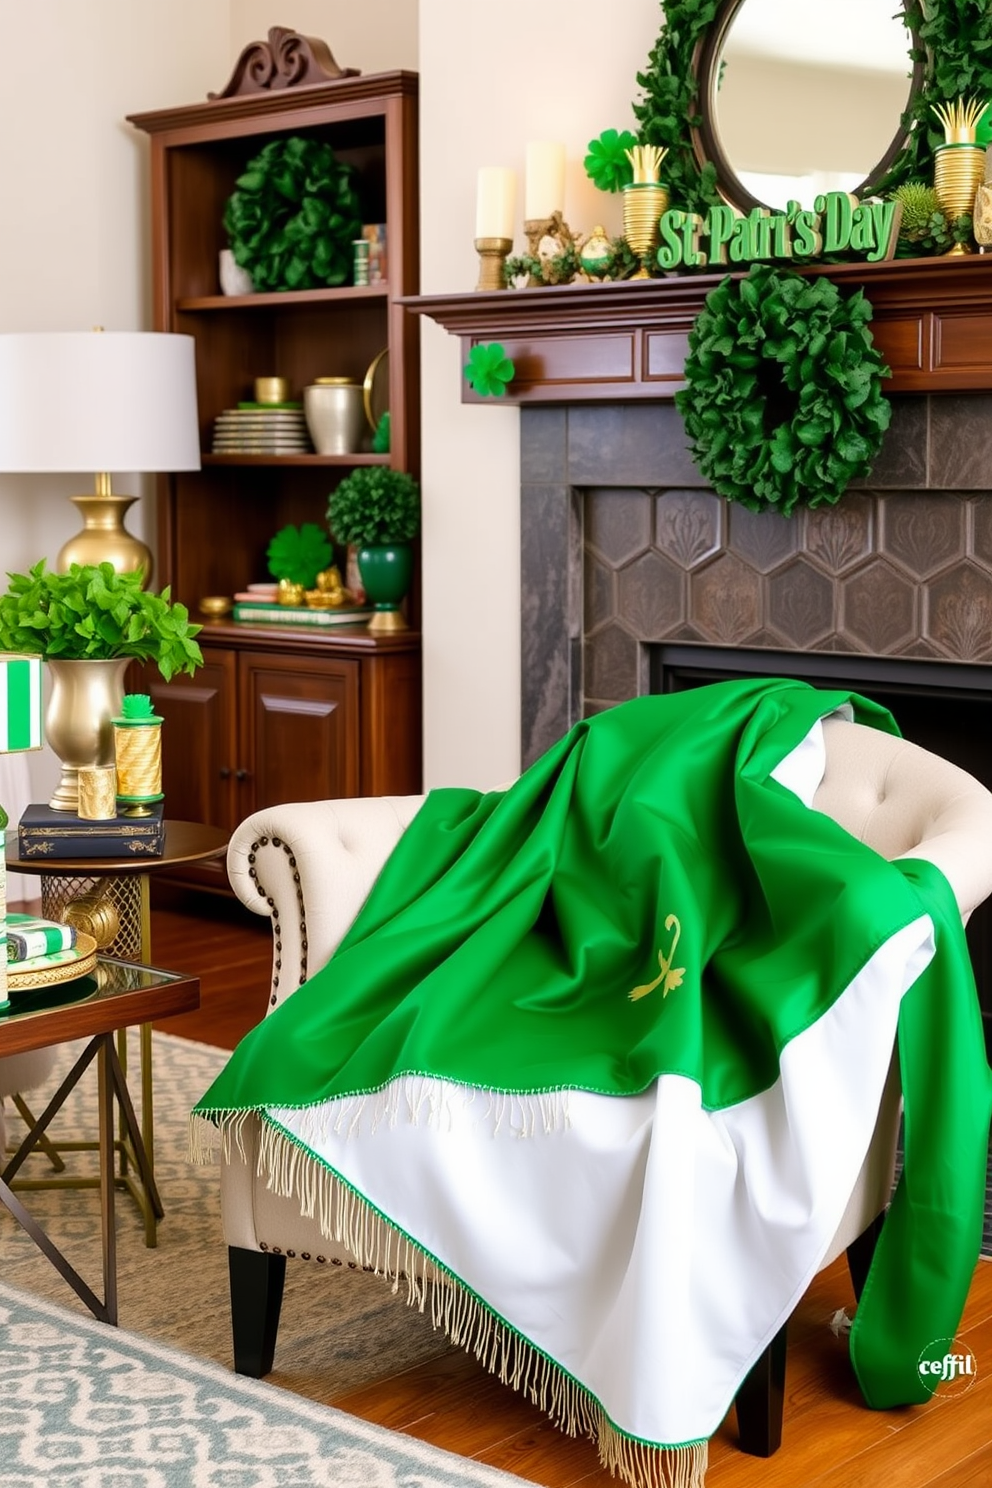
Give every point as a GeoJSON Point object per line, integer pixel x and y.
{"type": "Point", "coordinates": [92, 401]}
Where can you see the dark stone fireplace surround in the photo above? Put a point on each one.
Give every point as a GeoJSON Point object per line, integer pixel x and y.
{"type": "Point", "coordinates": [629, 563]}
{"type": "Point", "coordinates": [624, 548]}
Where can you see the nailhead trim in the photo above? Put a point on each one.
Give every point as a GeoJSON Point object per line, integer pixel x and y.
{"type": "Point", "coordinates": [276, 925]}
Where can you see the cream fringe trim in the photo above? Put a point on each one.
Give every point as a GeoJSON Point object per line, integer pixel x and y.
{"type": "Point", "coordinates": [347, 1219]}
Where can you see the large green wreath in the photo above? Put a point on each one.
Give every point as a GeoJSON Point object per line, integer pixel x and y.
{"type": "Point", "coordinates": [293, 216]}
{"type": "Point", "coordinates": [783, 402]}
{"type": "Point", "coordinates": [955, 46]}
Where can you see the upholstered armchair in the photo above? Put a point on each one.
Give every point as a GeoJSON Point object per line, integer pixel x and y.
{"type": "Point", "coordinates": [309, 867]}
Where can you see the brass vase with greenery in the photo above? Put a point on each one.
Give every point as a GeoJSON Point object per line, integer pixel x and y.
{"type": "Point", "coordinates": [378, 510]}
{"type": "Point", "coordinates": [644, 200]}
{"type": "Point", "coordinates": [89, 623]}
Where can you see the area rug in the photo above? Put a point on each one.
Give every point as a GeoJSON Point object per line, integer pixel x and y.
{"type": "Point", "coordinates": [87, 1406]}
{"type": "Point", "coordinates": [339, 1329]}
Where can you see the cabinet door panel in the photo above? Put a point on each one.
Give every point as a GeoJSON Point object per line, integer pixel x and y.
{"type": "Point", "coordinates": [299, 729]}
{"type": "Point", "coordinates": [198, 740]}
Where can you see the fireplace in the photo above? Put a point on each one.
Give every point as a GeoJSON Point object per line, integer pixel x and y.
{"type": "Point", "coordinates": [636, 577]}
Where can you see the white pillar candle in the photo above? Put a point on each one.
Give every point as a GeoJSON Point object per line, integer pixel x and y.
{"type": "Point", "coordinates": [496, 202]}
{"type": "Point", "coordinates": [545, 180]}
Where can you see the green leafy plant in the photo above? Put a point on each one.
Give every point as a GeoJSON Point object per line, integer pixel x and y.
{"type": "Point", "coordinates": [299, 554]}
{"type": "Point", "coordinates": [293, 216]}
{"type": "Point", "coordinates": [489, 369]}
{"type": "Point", "coordinates": [783, 402]}
{"type": "Point", "coordinates": [375, 506]}
{"type": "Point", "coordinates": [607, 164]}
{"type": "Point", "coordinates": [94, 613]}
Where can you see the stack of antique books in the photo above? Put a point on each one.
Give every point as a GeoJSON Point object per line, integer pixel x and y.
{"type": "Point", "coordinates": [45, 833]}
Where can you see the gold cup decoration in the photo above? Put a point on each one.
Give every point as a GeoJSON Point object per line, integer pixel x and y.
{"type": "Point", "coordinates": [644, 200]}
{"type": "Point", "coordinates": [959, 163]}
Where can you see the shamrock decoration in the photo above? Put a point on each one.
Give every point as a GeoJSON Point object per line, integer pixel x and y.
{"type": "Point", "coordinates": [299, 553]}
{"type": "Point", "coordinates": [608, 165]}
{"type": "Point", "coordinates": [380, 438]}
{"type": "Point", "coordinates": [489, 369]}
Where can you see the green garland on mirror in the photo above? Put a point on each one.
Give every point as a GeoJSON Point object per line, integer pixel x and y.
{"type": "Point", "coordinates": [293, 217]}
{"type": "Point", "coordinates": [670, 106]}
{"type": "Point", "coordinates": [955, 46]}
{"type": "Point", "coordinates": [783, 402]}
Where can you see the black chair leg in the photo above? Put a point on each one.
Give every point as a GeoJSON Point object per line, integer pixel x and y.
{"type": "Point", "coordinates": [761, 1401]}
{"type": "Point", "coordinates": [257, 1279]}
{"type": "Point", "coordinates": [860, 1252]}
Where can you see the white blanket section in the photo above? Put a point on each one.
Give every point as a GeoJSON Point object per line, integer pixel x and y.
{"type": "Point", "coordinates": [650, 1247]}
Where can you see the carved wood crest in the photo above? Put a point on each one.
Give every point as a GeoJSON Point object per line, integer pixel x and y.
{"type": "Point", "coordinates": [286, 60]}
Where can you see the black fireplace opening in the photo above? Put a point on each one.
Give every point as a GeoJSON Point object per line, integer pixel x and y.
{"type": "Point", "coordinates": [945, 707]}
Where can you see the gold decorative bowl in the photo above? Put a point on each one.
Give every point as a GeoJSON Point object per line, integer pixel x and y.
{"type": "Point", "coordinates": [216, 606]}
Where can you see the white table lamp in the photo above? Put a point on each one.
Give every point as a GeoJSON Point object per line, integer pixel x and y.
{"type": "Point", "coordinates": [102, 402]}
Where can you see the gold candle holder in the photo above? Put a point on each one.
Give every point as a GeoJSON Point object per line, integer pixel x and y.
{"type": "Point", "coordinates": [492, 256]}
{"type": "Point", "coordinates": [959, 170]}
{"type": "Point", "coordinates": [643, 204]}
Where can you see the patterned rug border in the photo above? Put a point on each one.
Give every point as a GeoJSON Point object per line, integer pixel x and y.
{"type": "Point", "coordinates": [446, 1468]}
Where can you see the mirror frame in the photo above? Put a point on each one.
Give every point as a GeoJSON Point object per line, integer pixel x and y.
{"type": "Point", "coordinates": [706, 144]}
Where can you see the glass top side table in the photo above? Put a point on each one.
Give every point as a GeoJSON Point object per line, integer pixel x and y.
{"type": "Point", "coordinates": [109, 898]}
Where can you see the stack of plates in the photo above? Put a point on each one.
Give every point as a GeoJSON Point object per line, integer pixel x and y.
{"type": "Point", "coordinates": [262, 431]}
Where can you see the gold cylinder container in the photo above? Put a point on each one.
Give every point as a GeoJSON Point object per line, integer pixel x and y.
{"type": "Point", "coordinates": [138, 746]}
{"type": "Point", "coordinates": [97, 792]}
{"type": "Point", "coordinates": [959, 170]}
{"type": "Point", "coordinates": [643, 204]}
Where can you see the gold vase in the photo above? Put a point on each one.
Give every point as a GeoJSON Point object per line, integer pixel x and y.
{"type": "Point", "coordinates": [104, 538]}
{"type": "Point", "coordinates": [85, 698]}
{"type": "Point", "coordinates": [643, 204]}
{"type": "Point", "coordinates": [959, 170]}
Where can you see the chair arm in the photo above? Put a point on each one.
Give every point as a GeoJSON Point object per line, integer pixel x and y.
{"type": "Point", "coordinates": [309, 866]}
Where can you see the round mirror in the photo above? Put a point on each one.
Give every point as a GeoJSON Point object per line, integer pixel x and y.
{"type": "Point", "coordinates": [800, 97]}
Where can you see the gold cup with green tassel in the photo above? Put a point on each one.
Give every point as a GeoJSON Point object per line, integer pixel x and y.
{"type": "Point", "coordinates": [644, 200]}
{"type": "Point", "coordinates": [959, 163]}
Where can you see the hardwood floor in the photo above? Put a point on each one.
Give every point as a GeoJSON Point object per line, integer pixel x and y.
{"type": "Point", "coordinates": [830, 1439]}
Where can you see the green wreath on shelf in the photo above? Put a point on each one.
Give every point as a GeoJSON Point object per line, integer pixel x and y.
{"type": "Point", "coordinates": [783, 402]}
{"type": "Point", "coordinates": [293, 217]}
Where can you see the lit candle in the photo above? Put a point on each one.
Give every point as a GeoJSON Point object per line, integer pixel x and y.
{"type": "Point", "coordinates": [545, 188]}
{"type": "Point", "coordinates": [496, 202]}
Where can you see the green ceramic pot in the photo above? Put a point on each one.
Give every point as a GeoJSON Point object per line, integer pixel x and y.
{"type": "Point", "coordinates": [386, 570]}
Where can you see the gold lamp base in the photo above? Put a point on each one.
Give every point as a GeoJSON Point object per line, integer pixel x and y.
{"type": "Point", "coordinates": [104, 538]}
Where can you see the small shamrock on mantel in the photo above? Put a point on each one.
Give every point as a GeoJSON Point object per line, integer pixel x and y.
{"type": "Point", "coordinates": [489, 369]}
{"type": "Point", "coordinates": [608, 163]}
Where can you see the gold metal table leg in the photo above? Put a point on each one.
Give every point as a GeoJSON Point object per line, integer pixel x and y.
{"type": "Point", "coordinates": [123, 901]}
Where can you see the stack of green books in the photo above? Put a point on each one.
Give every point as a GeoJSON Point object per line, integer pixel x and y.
{"type": "Point", "coordinates": [259, 613]}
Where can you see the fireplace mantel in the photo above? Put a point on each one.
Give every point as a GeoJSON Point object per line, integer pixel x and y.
{"type": "Point", "coordinates": [623, 341]}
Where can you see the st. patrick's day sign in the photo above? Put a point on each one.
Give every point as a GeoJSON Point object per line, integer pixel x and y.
{"type": "Point", "coordinates": [837, 224]}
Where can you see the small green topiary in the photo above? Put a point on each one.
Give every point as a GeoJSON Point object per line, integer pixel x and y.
{"type": "Point", "coordinates": [374, 506]}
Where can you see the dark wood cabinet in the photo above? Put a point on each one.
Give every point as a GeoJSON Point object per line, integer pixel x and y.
{"type": "Point", "coordinates": [277, 714]}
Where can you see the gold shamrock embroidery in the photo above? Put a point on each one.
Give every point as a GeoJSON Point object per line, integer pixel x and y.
{"type": "Point", "coordinates": [670, 976]}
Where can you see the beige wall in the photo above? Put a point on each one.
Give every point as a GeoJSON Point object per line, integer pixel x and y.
{"type": "Point", "coordinates": [489, 84]}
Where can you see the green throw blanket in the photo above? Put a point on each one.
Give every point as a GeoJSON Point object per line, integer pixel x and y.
{"type": "Point", "coordinates": [680, 987]}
